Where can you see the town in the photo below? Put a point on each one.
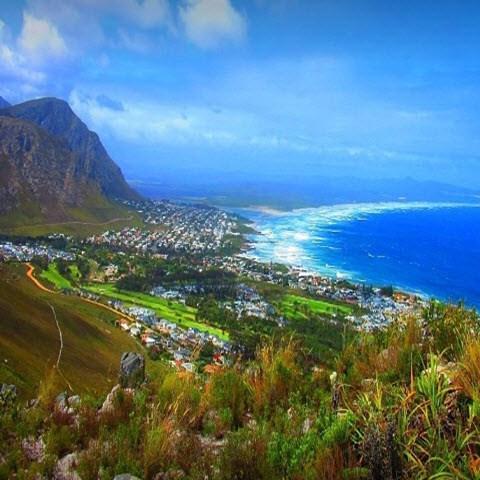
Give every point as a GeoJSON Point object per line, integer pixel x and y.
{"type": "Point", "coordinates": [173, 318]}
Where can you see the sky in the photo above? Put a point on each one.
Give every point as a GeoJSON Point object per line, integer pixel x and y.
{"type": "Point", "coordinates": [216, 90]}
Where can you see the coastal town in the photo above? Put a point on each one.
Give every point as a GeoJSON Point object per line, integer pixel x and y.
{"type": "Point", "coordinates": [173, 230]}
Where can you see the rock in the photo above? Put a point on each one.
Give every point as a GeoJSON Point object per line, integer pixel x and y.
{"type": "Point", "coordinates": [307, 425]}
{"type": "Point", "coordinates": [8, 394]}
{"type": "Point", "coordinates": [125, 476]}
{"type": "Point", "coordinates": [34, 449]}
{"type": "Point", "coordinates": [108, 404]}
{"type": "Point", "coordinates": [132, 370]}
{"type": "Point", "coordinates": [65, 468]}
{"type": "Point", "coordinates": [66, 404]}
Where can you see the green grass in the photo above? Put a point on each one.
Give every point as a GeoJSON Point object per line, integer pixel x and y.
{"type": "Point", "coordinates": [295, 306]}
{"type": "Point", "coordinates": [172, 311]}
{"type": "Point", "coordinates": [75, 272]}
{"type": "Point", "coordinates": [29, 339]}
{"type": "Point", "coordinates": [53, 276]}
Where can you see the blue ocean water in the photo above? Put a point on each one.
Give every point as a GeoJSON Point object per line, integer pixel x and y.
{"type": "Point", "coordinates": [432, 249]}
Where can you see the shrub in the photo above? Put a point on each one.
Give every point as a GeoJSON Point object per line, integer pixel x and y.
{"type": "Point", "coordinates": [277, 374]}
{"type": "Point", "coordinates": [227, 390]}
{"type": "Point", "coordinates": [179, 396]}
{"type": "Point", "coordinates": [244, 457]}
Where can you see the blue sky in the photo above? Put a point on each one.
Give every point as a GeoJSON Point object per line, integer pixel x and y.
{"type": "Point", "coordinates": [212, 89]}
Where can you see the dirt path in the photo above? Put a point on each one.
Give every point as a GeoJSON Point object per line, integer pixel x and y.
{"type": "Point", "coordinates": [60, 351]}
{"type": "Point", "coordinates": [30, 275]}
{"type": "Point", "coordinates": [59, 334]}
{"type": "Point", "coordinates": [42, 287]}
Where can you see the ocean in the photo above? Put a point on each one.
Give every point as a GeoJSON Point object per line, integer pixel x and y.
{"type": "Point", "coordinates": [431, 249]}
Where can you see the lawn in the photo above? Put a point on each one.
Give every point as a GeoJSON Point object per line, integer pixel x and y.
{"type": "Point", "coordinates": [172, 311]}
{"type": "Point", "coordinates": [295, 306]}
{"type": "Point", "coordinates": [53, 276]}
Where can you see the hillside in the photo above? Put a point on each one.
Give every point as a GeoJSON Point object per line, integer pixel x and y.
{"type": "Point", "coordinates": [54, 170]}
{"type": "Point", "coordinates": [29, 338]}
{"type": "Point", "coordinates": [399, 404]}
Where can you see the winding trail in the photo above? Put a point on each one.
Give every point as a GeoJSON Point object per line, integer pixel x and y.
{"type": "Point", "coordinates": [60, 335]}
{"type": "Point", "coordinates": [42, 287]}
{"type": "Point", "coordinates": [30, 275]}
{"type": "Point", "coordinates": [60, 351]}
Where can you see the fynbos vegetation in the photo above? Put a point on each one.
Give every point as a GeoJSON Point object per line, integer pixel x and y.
{"type": "Point", "coordinates": [401, 403]}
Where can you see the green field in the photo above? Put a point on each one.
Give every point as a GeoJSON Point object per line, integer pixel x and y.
{"type": "Point", "coordinates": [295, 306]}
{"type": "Point", "coordinates": [29, 339]}
{"type": "Point", "coordinates": [172, 311]}
{"type": "Point", "coordinates": [53, 276]}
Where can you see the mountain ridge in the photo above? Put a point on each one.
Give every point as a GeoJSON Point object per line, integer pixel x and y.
{"type": "Point", "coordinates": [54, 169]}
{"type": "Point", "coordinates": [58, 119]}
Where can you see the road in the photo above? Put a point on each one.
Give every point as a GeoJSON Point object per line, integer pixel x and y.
{"type": "Point", "coordinates": [76, 222]}
{"type": "Point", "coordinates": [42, 287]}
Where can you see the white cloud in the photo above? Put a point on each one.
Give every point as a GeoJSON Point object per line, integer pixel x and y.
{"type": "Point", "coordinates": [209, 22]}
{"type": "Point", "coordinates": [154, 123]}
{"type": "Point", "coordinates": [15, 67]}
{"type": "Point", "coordinates": [2, 29]}
{"type": "Point", "coordinates": [40, 39]}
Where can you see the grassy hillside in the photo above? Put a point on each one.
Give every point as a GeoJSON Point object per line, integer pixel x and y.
{"type": "Point", "coordinates": [29, 339]}
{"type": "Point", "coordinates": [96, 215]}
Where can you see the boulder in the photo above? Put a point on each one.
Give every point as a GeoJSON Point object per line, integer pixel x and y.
{"type": "Point", "coordinates": [125, 476]}
{"type": "Point", "coordinates": [132, 370]}
{"type": "Point", "coordinates": [65, 468]}
{"type": "Point", "coordinates": [34, 449]}
{"type": "Point", "coordinates": [8, 394]}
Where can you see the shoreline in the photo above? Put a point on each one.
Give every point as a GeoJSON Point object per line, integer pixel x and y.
{"type": "Point", "coordinates": [335, 273]}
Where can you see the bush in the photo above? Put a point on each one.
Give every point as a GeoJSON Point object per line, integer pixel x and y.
{"type": "Point", "coordinates": [227, 390]}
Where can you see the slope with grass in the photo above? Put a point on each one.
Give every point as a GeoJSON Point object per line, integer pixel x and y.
{"type": "Point", "coordinates": [175, 312]}
{"type": "Point", "coordinates": [96, 215]}
{"type": "Point", "coordinates": [29, 339]}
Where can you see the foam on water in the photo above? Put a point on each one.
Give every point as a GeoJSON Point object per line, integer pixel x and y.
{"type": "Point", "coordinates": [305, 237]}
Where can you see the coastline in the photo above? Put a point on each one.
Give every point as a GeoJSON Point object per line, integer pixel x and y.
{"type": "Point", "coordinates": [292, 238]}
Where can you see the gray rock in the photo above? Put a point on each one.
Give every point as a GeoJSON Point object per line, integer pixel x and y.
{"type": "Point", "coordinates": [125, 476]}
{"type": "Point", "coordinates": [65, 468]}
{"type": "Point", "coordinates": [8, 394]}
{"type": "Point", "coordinates": [132, 370]}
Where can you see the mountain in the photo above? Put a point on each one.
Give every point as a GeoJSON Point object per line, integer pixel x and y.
{"type": "Point", "coordinates": [4, 103]}
{"type": "Point", "coordinates": [54, 169]}
{"type": "Point", "coordinates": [57, 118]}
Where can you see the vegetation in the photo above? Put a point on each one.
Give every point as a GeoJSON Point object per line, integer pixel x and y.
{"type": "Point", "coordinates": [295, 307]}
{"type": "Point", "coordinates": [96, 214]}
{"type": "Point", "coordinates": [173, 311]}
{"type": "Point", "coordinates": [29, 338]}
{"type": "Point", "coordinates": [400, 403]}
{"type": "Point", "coordinates": [52, 275]}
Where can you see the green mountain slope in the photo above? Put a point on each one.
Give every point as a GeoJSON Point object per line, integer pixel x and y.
{"type": "Point", "coordinates": [29, 338]}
